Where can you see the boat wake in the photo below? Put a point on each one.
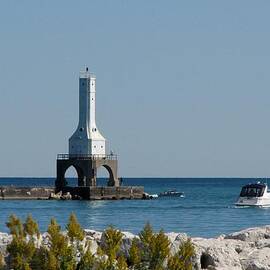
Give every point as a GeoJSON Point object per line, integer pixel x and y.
{"type": "Point", "coordinates": [248, 206]}
{"type": "Point", "coordinates": [238, 207]}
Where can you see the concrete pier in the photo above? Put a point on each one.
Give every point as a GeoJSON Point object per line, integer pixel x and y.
{"type": "Point", "coordinates": [77, 193]}
{"type": "Point", "coordinates": [106, 193]}
{"type": "Point", "coordinates": [25, 193]}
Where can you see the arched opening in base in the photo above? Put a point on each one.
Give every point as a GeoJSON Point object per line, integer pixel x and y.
{"type": "Point", "coordinates": [104, 176]}
{"type": "Point", "coordinates": [74, 176]}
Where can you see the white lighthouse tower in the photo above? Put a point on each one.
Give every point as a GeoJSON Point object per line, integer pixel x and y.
{"type": "Point", "coordinates": [87, 154]}
{"type": "Point", "coordinates": [87, 140]}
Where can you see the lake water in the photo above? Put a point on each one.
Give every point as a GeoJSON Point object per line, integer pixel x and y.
{"type": "Point", "coordinates": [207, 209]}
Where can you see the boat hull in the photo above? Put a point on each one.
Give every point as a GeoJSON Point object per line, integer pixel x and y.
{"type": "Point", "coordinates": [256, 202]}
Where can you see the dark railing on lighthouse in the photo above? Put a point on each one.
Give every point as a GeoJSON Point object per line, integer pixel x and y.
{"type": "Point", "coordinates": [86, 157]}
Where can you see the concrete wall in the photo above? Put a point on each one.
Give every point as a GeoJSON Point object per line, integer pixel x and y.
{"type": "Point", "coordinates": [25, 193]}
{"type": "Point", "coordinates": [106, 193]}
{"type": "Point", "coordinates": [86, 193]}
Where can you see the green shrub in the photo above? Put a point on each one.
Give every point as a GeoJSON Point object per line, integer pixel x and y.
{"type": "Point", "coordinates": [30, 227]}
{"type": "Point", "coordinates": [151, 251]}
{"type": "Point", "coordinates": [58, 241]}
{"type": "Point", "coordinates": [182, 260]}
{"type": "Point", "coordinates": [122, 263]}
{"type": "Point", "coordinates": [60, 253]}
{"type": "Point", "coordinates": [102, 264]}
{"type": "Point", "coordinates": [155, 248]}
{"type": "Point", "coordinates": [87, 259]}
{"type": "Point", "coordinates": [159, 251]}
{"type": "Point", "coordinates": [15, 226]}
{"type": "Point", "coordinates": [146, 235]}
{"type": "Point", "coordinates": [20, 250]}
{"type": "Point", "coordinates": [2, 263]}
{"type": "Point", "coordinates": [52, 262]}
{"type": "Point", "coordinates": [39, 259]}
{"type": "Point", "coordinates": [112, 243]}
{"type": "Point", "coordinates": [135, 254]}
{"type": "Point", "coordinates": [76, 235]}
{"type": "Point", "coordinates": [75, 231]}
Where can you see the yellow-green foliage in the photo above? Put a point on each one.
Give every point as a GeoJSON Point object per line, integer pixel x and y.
{"type": "Point", "coordinates": [146, 235]}
{"type": "Point", "coordinates": [52, 262]}
{"type": "Point", "coordinates": [60, 251]}
{"type": "Point", "coordinates": [135, 254]}
{"type": "Point", "coordinates": [87, 259]}
{"type": "Point", "coordinates": [100, 252]}
{"type": "Point", "coordinates": [39, 259]}
{"type": "Point", "coordinates": [155, 247]}
{"type": "Point", "coordinates": [112, 243]}
{"type": "Point", "coordinates": [15, 226]}
{"type": "Point", "coordinates": [102, 264]}
{"type": "Point", "coordinates": [159, 250]}
{"type": "Point", "coordinates": [1, 262]}
{"type": "Point", "coordinates": [31, 227]}
{"type": "Point", "coordinates": [75, 231]}
{"type": "Point", "coordinates": [182, 260]}
{"type": "Point", "coordinates": [121, 263]}
{"type": "Point", "coordinates": [20, 250]}
{"type": "Point", "coordinates": [58, 241]}
{"type": "Point", "coordinates": [151, 251]}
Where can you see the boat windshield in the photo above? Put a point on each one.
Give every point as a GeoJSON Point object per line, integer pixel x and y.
{"type": "Point", "coordinates": [252, 191]}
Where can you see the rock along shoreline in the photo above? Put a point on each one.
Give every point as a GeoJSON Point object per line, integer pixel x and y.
{"type": "Point", "coordinates": [244, 250]}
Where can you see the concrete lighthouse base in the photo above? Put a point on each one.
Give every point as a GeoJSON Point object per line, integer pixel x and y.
{"type": "Point", "coordinates": [86, 167]}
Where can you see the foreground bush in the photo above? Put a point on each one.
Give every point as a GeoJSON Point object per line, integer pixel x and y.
{"type": "Point", "coordinates": [70, 250]}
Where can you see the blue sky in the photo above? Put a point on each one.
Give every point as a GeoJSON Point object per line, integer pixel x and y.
{"type": "Point", "coordinates": [182, 86]}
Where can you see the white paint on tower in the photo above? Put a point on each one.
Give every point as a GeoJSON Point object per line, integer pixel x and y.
{"type": "Point", "coordinates": [87, 140]}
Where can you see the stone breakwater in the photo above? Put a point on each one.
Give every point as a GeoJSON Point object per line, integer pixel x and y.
{"type": "Point", "coordinates": [244, 250]}
{"type": "Point", "coordinates": [75, 193]}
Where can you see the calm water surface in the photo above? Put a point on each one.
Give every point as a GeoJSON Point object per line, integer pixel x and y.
{"type": "Point", "coordinates": [207, 210]}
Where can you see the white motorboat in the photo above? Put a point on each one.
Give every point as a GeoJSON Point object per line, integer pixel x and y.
{"type": "Point", "coordinates": [171, 193]}
{"type": "Point", "coordinates": [254, 195]}
{"type": "Point", "coordinates": [150, 196]}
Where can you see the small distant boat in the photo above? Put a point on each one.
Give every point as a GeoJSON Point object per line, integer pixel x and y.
{"type": "Point", "coordinates": [148, 196]}
{"type": "Point", "coordinates": [153, 196]}
{"type": "Point", "coordinates": [255, 194]}
{"type": "Point", "coordinates": [171, 193]}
